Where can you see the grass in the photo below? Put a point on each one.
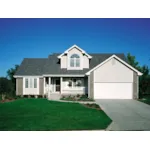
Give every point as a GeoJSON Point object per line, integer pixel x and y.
{"type": "Point", "coordinates": [41, 114]}
{"type": "Point", "coordinates": [146, 99]}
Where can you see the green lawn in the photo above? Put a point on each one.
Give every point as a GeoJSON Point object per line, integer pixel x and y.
{"type": "Point", "coordinates": [41, 114]}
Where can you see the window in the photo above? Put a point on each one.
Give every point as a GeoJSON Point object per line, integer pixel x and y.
{"type": "Point", "coordinates": [75, 60]}
{"type": "Point", "coordinates": [30, 82]}
{"type": "Point", "coordinates": [26, 83]}
{"type": "Point", "coordinates": [73, 82]}
{"type": "Point", "coordinates": [35, 83]}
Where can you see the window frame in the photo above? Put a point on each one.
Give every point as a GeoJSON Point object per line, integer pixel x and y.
{"type": "Point", "coordinates": [35, 83]}
{"type": "Point", "coordinates": [75, 61]}
{"type": "Point", "coordinates": [26, 83]}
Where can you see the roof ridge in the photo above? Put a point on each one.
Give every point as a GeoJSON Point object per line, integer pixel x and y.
{"type": "Point", "coordinates": [35, 58]}
{"type": "Point", "coordinates": [105, 53]}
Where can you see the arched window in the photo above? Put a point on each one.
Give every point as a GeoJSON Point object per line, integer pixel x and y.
{"type": "Point", "coordinates": [75, 60]}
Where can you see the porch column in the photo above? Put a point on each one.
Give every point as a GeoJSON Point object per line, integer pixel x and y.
{"type": "Point", "coordinates": [44, 86]}
{"type": "Point", "coordinates": [60, 84]}
{"type": "Point", "coordinates": [49, 83]}
{"type": "Point", "coordinates": [89, 95]}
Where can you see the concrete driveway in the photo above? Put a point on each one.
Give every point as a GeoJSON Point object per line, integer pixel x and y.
{"type": "Point", "coordinates": [126, 114]}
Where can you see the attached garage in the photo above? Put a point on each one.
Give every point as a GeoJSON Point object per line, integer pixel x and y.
{"type": "Point", "coordinates": [113, 79]}
{"type": "Point", "coordinates": [113, 90]}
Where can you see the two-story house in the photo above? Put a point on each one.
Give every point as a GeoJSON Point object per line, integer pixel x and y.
{"type": "Point", "coordinates": [101, 76]}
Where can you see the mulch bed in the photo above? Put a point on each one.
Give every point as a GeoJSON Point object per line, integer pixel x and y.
{"type": "Point", "coordinates": [94, 106]}
{"type": "Point", "coordinates": [7, 100]}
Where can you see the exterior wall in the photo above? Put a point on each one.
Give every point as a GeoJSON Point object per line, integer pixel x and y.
{"type": "Point", "coordinates": [85, 62]}
{"type": "Point", "coordinates": [19, 86]}
{"type": "Point", "coordinates": [63, 63]}
{"type": "Point", "coordinates": [113, 71]}
{"type": "Point", "coordinates": [65, 60]}
{"type": "Point", "coordinates": [91, 95]}
{"type": "Point", "coordinates": [135, 85]}
{"type": "Point", "coordinates": [29, 90]}
{"type": "Point", "coordinates": [41, 86]}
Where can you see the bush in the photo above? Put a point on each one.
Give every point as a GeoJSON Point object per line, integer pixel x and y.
{"type": "Point", "coordinates": [93, 106]}
{"type": "Point", "coordinates": [76, 98]}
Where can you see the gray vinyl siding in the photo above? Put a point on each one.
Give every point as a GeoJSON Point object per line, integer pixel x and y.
{"type": "Point", "coordinates": [19, 86]}
{"type": "Point", "coordinates": [113, 71]}
{"type": "Point", "coordinates": [41, 86]}
{"type": "Point", "coordinates": [92, 85]}
{"type": "Point", "coordinates": [135, 85]}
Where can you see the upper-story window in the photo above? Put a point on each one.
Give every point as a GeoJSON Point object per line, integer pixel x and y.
{"type": "Point", "coordinates": [75, 60]}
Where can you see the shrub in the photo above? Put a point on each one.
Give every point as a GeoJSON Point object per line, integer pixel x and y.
{"type": "Point", "coordinates": [84, 96]}
{"type": "Point", "coordinates": [76, 98]}
{"type": "Point", "coordinates": [62, 97]}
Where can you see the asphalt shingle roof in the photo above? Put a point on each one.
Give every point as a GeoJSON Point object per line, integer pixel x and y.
{"type": "Point", "coordinates": [51, 65]}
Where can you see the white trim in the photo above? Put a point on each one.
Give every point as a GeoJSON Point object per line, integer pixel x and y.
{"type": "Point", "coordinates": [137, 78]}
{"type": "Point", "coordinates": [16, 87]}
{"type": "Point", "coordinates": [49, 84]}
{"type": "Point", "coordinates": [30, 90]}
{"type": "Point", "coordinates": [26, 76]}
{"type": "Point", "coordinates": [114, 56]}
{"type": "Point", "coordinates": [50, 75]}
{"type": "Point", "coordinates": [62, 75]}
{"type": "Point", "coordinates": [44, 87]}
{"type": "Point", "coordinates": [89, 95]}
{"type": "Point", "coordinates": [74, 46]}
{"type": "Point", "coordinates": [61, 84]}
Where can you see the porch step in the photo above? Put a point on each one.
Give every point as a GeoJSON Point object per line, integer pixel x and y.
{"type": "Point", "coordinates": [54, 96]}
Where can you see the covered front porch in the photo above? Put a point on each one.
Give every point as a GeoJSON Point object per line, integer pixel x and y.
{"type": "Point", "coordinates": [57, 86]}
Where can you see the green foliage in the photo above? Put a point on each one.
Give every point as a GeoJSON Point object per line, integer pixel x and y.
{"type": "Point", "coordinates": [10, 73]}
{"type": "Point", "coordinates": [132, 61]}
{"type": "Point", "coordinates": [144, 81]}
{"type": "Point", "coordinates": [76, 98]}
{"type": "Point", "coordinates": [5, 85]}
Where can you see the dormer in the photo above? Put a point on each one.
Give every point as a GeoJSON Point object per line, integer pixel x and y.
{"type": "Point", "coordinates": [74, 58]}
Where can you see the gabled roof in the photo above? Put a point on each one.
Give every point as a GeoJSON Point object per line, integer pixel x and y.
{"type": "Point", "coordinates": [51, 65]}
{"type": "Point", "coordinates": [75, 46]}
{"type": "Point", "coordinates": [31, 66]}
{"type": "Point", "coordinates": [122, 61]}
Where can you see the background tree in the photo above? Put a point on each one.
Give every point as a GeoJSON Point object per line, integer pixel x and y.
{"type": "Point", "coordinates": [5, 86]}
{"type": "Point", "coordinates": [132, 61]}
{"type": "Point", "coordinates": [10, 73]}
{"type": "Point", "coordinates": [144, 81]}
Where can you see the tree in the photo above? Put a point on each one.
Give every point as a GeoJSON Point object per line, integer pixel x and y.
{"type": "Point", "coordinates": [5, 86]}
{"type": "Point", "coordinates": [143, 80]}
{"type": "Point", "coordinates": [10, 73]}
{"type": "Point", "coordinates": [132, 61]}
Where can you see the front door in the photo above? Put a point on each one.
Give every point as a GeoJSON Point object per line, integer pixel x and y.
{"type": "Point", "coordinates": [57, 85]}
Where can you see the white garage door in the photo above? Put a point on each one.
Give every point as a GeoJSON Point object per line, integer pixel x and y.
{"type": "Point", "coordinates": [112, 90]}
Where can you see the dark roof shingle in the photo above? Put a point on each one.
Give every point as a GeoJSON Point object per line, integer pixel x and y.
{"type": "Point", "coordinates": [51, 65]}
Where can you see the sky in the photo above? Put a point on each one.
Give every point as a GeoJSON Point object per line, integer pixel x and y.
{"type": "Point", "coordinates": [37, 38]}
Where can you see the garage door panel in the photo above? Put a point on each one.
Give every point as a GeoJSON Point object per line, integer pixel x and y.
{"type": "Point", "coordinates": [113, 90]}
